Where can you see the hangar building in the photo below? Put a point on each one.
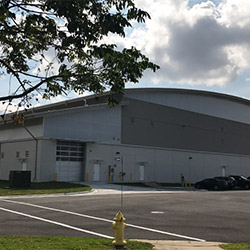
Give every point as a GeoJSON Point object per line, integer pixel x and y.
{"type": "Point", "coordinates": [153, 135]}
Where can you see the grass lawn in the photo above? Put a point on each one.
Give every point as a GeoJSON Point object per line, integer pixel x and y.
{"type": "Point", "coordinates": [63, 243]}
{"type": "Point", "coordinates": [236, 246]}
{"type": "Point", "coordinates": [42, 188]}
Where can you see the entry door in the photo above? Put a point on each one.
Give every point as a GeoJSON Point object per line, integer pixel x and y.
{"type": "Point", "coordinates": [96, 174]}
{"type": "Point", "coordinates": [24, 166]}
{"type": "Point", "coordinates": [141, 171]}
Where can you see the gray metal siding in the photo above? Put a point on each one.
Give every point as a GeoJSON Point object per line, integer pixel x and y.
{"type": "Point", "coordinates": [10, 132]}
{"type": "Point", "coordinates": [47, 159]}
{"type": "Point", "coordinates": [207, 103]}
{"type": "Point", "coordinates": [159, 126]}
{"type": "Point", "coordinates": [87, 124]}
{"type": "Point", "coordinates": [162, 165]}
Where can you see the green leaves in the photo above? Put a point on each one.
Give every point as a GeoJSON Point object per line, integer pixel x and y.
{"type": "Point", "coordinates": [59, 39]}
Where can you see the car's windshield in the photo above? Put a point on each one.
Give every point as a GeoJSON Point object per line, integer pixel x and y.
{"type": "Point", "coordinates": [243, 177]}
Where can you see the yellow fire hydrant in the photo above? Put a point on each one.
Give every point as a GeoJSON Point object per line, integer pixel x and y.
{"type": "Point", "coordinates": [118, 226]}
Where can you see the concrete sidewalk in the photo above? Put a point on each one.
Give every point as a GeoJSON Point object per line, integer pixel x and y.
{"type": "Point", "coordinates": [183, 245]}
{"type": "Point", "coordinates": [114, 188]}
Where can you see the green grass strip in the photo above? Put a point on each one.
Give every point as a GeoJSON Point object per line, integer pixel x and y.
{"type": "Point", "coordinates": [64, 243]}
{"type": "Point", "coordinates": [236, 246]}
{"type": "Point", "coordinates": [42, 188]}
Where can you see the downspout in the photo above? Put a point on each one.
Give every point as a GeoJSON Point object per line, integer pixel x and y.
{"type": "Point", "coordinates": [36, 154]}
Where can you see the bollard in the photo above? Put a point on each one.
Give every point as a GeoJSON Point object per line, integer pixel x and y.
{"type": "Point", "coordinates": [131, 177]}
{"type": "Point", "coordinates": [56, 176]}
{"type": "Point", "coordinates": [118, 225]}
{"type": "Point", "coordinates": [87, 177]}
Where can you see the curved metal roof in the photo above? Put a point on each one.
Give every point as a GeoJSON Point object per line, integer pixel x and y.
{"type": "Point", "coordinates": [191, 91]}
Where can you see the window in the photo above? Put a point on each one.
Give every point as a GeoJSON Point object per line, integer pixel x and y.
{"type": "Point", "coordinates": [26, 154]}
{"type": "Point", "coordinates": [2, 155]}
{"type": "Point", "coordinates": [17, 154]}
{"type": "Point", "coordinates": [69, 151]}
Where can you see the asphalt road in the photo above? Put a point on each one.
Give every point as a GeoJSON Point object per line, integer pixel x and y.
{"type": "Point", "coordinates": [210, 216]}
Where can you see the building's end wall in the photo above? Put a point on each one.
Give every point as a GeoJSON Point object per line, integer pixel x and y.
{"type": "Point", "coordinates": [18, 156]}
{"type": "Point", "coordinates": [23, 156]}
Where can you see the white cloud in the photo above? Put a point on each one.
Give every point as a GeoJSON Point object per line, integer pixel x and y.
{"type": "Point", "coordinates": [6, 107]}
{"type": "Point", "coordinates": [2, 108]}
{"type": "Point", "coordinates": [204, 44]}
{"type": "Point", "coordinates": [235, 13]}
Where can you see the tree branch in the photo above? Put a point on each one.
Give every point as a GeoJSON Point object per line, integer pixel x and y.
{"type": "Point", "coordinates": [21, 6]}
{"type": "Point", "coordinates": [13, 72]}
{"type": "Point", "coordinates": [28, 91]}
{"type": "Point", "coordinates": [36, 86]}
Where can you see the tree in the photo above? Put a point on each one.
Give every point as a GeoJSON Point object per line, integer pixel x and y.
{"type": "Point", "coordinates": [73, 30]}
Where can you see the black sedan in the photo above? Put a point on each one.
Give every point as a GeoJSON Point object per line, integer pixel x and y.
{"type": "Point", "coordinates": [211, 184]}
{"type": "Point", "coordinates": [231, 183]}
{"type": "Point", "coordinates": [241, 181]}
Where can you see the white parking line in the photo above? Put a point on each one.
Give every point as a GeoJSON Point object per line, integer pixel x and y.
{"type": "Point", "coordinates": [106, 220]}
{"type": "Point", "coordinates": [58, 210]}
{"type": "Point", "coordinates": [57, 223]}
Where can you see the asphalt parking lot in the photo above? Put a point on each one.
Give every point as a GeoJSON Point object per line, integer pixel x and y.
{"type": "Point", "coordinates": [198, 216]}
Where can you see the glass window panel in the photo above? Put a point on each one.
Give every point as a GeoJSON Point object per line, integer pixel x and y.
{"type": "Point", "coordinates": [65, 153]}
{"type": "Point", "coordinates": [64, 158]}
{"type": "Point", "coordinates": [69, 151]}
{"type": "Point", "coordinates": [64, 148]}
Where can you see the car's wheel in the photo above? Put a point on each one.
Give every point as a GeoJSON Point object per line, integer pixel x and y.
{"type": "Point", "coordinates": [197, 186]}
{"type": "Point", "coordinates": [216, 187]}
{"type": "Point", "coordinates": [247, 186]}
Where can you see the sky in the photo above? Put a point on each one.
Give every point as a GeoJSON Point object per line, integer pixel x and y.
{"type": "Point", "coordinates": [198, 44]}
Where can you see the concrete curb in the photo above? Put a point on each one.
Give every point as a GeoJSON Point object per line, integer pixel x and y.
{"type": "Point", "coordinates": [183, 245]}
{"type": "Point", "coordinates": [47, 195]}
